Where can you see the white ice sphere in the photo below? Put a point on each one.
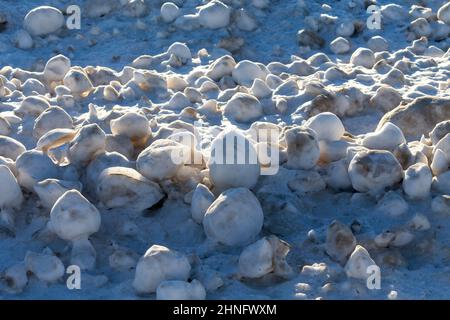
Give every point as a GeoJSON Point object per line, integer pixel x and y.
{"type": "Point", "coordinates": [181, 51]}
{"type": "Point", "coordinates": [78, 82]}
{"type": "Point", "coordinates": [161, 160]}
{"type": "Point", "coordinates": [444, 145]}
{"type": "Point", "coordinates": [50, 190]}
{"type": "Point", "coordinates": [363, 57]}
{"type": "Point", "coordinates": [327, 126]}
{"type": "Point", "coordinates": [52, 118]}
{"type": "Point", "coordinates": [33, 105]}
{"type": "Point", "coordinates": [386, 138]}
{"type": "Point", "coordinates": [169, 12]}
{"type": "Point", "coordinates": [256, 260]}
{"type": "Point", "coordinates": [43, 20]}
{"type": "Point", "coordinates": [180, 290]}
{"type": "Point", "coordinates": [440, 162]}
{"type": "Point", "coordinates": [5, 127]}
{"type": "Point", "coordinates": [377, 44]}
{"type": "Point", "coordinates": [443, 13]}
{"type": "Point", "coordinates": [303, 150]}
{"type": "Point", "coordinates": [337, 175]}
{"type": "Point", "coordinates": [23, 40]}
{"type": "Point", "coordinates": [340, 45]}
{"type": "Point", "coordinates": [345, 29]}
{"type": "Point", "coordinates": [233, 161]}
{"type": "Point", "coordinates": [221, 67]}
{"type": "Point", "coordinates": [245, 72]}
{"type": "Point", "coordinates": [386, 98]}
{"type": "Point", "coordinates": [100, 163]}
{"type": "Point", "coordinates": [56, 68]}
{"type": "Point", "coordinates": [11, 148]}
{"type": "Point", "coordinates": [120, 187]}
{"type": "Point", "coordinates": [374, 170]}
{"type": "Point", "coordinates": [10, 192]}
{"type": "Point", "coordinates": [417, 181]}
{"type": "Point", "coordinates": [340, 241]}
{"type": "Point", "coordinates": [88, 143]}
{"type": "Point", "coordinates": [34, 166]}
{"type": "Point", "coordinates": [133, 125]}
{"type": "Point", "coordinates": [234, 218]}
{"type": "Point", "coordinates": [358, 264]}
{"type": "Point", "coordinates": [214, 15]}
{"type": "Point", "coordinates": [73, 217]}
{"type": "Point", "coordinates": [392, 204]}
{"type": "Point", "coordinates": [45, 267]}
{"type": "Point", "coordinates": [159, 264]}
{"type": "Point", "coordinates": [202, 198]}
{"type": "Point", "coordinates": [420, 27]}
{"type": "Point", "coordinates": [244, 108]}
{"type": "Point", "coordinates": [439, 131]}
{"type": "Point", "coordinates": [260, 89]}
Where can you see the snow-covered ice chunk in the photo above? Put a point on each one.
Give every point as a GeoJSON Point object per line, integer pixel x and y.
{"type": "Point", "coordinates": [234, 218]}
{"type": "Point", "coordinates": [417, 181]}
{"type": "Point", "coordinates": [302, 148]}
{"type": "Point", "coordinates": [327, 126]}
{"type": "Point", "coordinates": [374, 170]}
{"type": "Point", "coordinates": [120, 187]}
{"type": "Point", "coordinates": [43, 20]}
{"type": "Point", "coordinates": [358, 264]}
{"type": "Point", "coordinates": [159, 264]}
{"type": "Point", "coordinates": [180, 290]}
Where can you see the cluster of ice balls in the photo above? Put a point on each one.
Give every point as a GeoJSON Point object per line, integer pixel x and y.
{"type": "Point", "coordinates": [121, 158]}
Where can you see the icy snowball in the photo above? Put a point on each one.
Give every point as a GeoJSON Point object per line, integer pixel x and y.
{"type": "Point", "coordinates": [56, 68]}
{"type": "Point", "coordinates": [340, 45]}
{"type": "Point", "coordinates": [161, 160]}
{"type": "Point", "coordinates": [23, 40]}
{"type": "Point", "coordinates": [214, 15]}
{"type": "Point", "coordinates": [340, 241]}
{"type": "Point", "coordinates": [157, 265]}
{"type": "Point", "coordinates": [363, 57]}
{"type": "Point", "coordinates": [50, 190]}
{"type": "Point", "coordinates": [73, 217]}
{"type": "Point", "coordinates": [180, 290]}
{"type": "Point", "coordinates": [358, 264]}
{"type": "Point", "coordinates": [245, 72]}
{"type": "Point", "coordinates": [87, 144]}
{"type": "Point", "coordinates": [43, 20]}
{"type": "Point", "coordinates": [372, 171]}
{"type": "Point", "coordinates": [34, 166]}
{"type": "Point", "coordinates": [327, 126]}
{"type": "Point", "coordinates": [132, 125]}
{"type": "Point", "coordinates": [234, 218]}
{"type": "Point", "coordinates": [202, 198]}
{"type": "Point", "coordinates": [120, 187]}
{"type": "Point", "coordinates": [243, 107]}
{"type": "Point", "coordinates": [233, 161]}
{"type": "Point", "coordinates": [417, 181]}
{"type": "Point", "coordinates": [169, 12]}
{"type": "Point", "coordinates": [11, 148]}
{"type": "Point", "coordinates": [44, 266]}
{"type": "Point", "coordinates": [265, 256]}
{"type": "Point", "coordinates": [386, 138]}
{"type": "Point", "coordinates": [444, 13]}
{"type": "Point", "coordinates": [10, 192]}
{"type": "Point", "coordinates": [302, 148]}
